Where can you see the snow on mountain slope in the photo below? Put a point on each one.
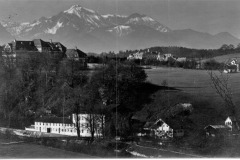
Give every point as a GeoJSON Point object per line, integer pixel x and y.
{"type": "Point", "coordinates": [112, 15]}
{"type": "Point", "coordinates": [78, 18]}
{"type": "Point", "coordinates": [137, 19]}
{"type": "Point", "coordinates": [121, 30]}
{"type": "Point", "coordinates": [89, 16]}
{"type": "Point", "coordinates": [55, 28]}
{"type": "Point", "coordinates": [85, 28]}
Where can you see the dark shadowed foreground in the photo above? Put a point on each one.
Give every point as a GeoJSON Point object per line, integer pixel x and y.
{"type": "Point", "coordinates": [10, 149]}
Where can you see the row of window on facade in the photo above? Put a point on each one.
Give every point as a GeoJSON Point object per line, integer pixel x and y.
{"type": "Point", "coordinates": [54, 124]}
{"type": "Point", "coordinates": [62, 124]}
{"type": "Point", "coordinates": [68, 130]}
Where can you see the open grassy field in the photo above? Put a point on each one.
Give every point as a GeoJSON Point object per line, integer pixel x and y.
{"type": "Point", "coordinates": [195, 82]}
{"type": "Point", "coordinates": [15, 149]}
{"type": "Point", "coordinates": [225, 58]}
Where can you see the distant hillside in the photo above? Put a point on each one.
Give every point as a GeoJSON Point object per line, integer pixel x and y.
{"type": "Point", "coordinates": [224, 58]}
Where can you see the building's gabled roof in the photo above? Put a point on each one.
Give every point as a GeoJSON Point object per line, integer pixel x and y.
{"type": "Point", "coordinates": [72, 52]}
{"type": "Point", "coordinates": [232, 118]}
{"type": "Point", "coordinates": [231, 59]}
{"type": "Point", "coordinates": [232, 66]}
{"type": "Point", "coordinates": [23, 45]}
{"type": "Point", "coordinates": [39, 42]}
{"type": "Point", "coordinates": [217, 126]}
{"type": "Point", "coordinates": [173, 123]}
{"type": "Point", "coordinates": [65, 120]}
{"type": "Point", "coordinates": [148, 125]}
{"type": "Point", "coordinates": [53, 46]}
{"type": "Point", "coordinates": [60, 46]}
{"type": "Point", "coordinates": [138, 118]}
{"type": "Point", "coordinates": [157, 124]}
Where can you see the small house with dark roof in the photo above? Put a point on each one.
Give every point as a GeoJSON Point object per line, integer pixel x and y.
{"type": "Point", "coordinates": [77, 55]}
{"type": "Point", "coordinates": [231, 126]}
{"type": "Point", "coordinates": [60, 46]}
{"type": "Point", "coordinates": [217, 130]}
{"type": "Point", "coordinates": [232, 66]}
{"type": "Point", "coordinates": [165, 128]}
{"type": "Point", "coordinates": [67, 125]}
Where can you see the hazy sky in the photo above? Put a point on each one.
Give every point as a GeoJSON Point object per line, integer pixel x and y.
{"type": "Point", "coordinates": [212, 16]}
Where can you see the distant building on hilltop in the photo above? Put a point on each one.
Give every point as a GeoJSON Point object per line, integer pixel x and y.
{"type": "Point", "coordinates": [181, 59]}
{"type": "Point", "coordinates": [164, 57]}
{"type": "Point", "coordinates": [134, 56]}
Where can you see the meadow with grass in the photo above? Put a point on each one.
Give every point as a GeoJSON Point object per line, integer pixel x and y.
{"type": "Point", "coordinates": [194, 87]}
{"type": "Point", "coordinates": [196, 82]}
{"type": "Point", "coordinates": [224, 58]}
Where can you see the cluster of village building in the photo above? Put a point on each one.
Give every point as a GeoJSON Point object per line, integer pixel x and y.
{"type": "Point", "coordinates": [158, 56]}
{"type": "Point", "coordinates": [230, 66]}
{"type": "Point", "coordinates": [160, 128]}
{"type": "Point", "coordinates": [19, 50]}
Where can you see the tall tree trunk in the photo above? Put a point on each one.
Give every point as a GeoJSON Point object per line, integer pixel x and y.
{"type": "Point", "coordinates": [102, 121]}
{"type": "Point", "coordinates": [92, 127]}
{"type": "Point", "coordinates": [78, 123]}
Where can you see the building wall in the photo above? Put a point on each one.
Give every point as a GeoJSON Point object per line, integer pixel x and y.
{"type": "Point", "coordinates": [228, 122]}
{"type": "Point", "coordinates": [164, 129]}
{"type": "Point", "coordinates": [69, 129]}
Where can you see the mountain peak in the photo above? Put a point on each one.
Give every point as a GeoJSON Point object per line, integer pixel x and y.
{"type": "Point", "coordinates": [134, 15]}
{"type": "Point", "coordinates": [223, 34]}
{"type": "Point", "coordinates": [78, 8]}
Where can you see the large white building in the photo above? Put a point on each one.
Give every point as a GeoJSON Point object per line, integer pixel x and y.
{"type": "Point", "coordinates": [67, 125]}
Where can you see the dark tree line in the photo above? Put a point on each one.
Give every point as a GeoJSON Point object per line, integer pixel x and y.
{"type": "Point", "coordinates": [42, 82]}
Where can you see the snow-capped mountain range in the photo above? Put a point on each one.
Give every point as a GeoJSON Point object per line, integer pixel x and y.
{"type": "Point", "coordinates": [91, 31]}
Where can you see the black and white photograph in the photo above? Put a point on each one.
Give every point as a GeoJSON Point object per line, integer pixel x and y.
{"type": "Point", "coordinates": [94, 79]}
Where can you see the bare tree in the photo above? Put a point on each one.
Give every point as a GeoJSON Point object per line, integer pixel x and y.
{"type": "Point", "coordinates": [221, 84]}
{"type": "Point", "coordinates": [94, 124]}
